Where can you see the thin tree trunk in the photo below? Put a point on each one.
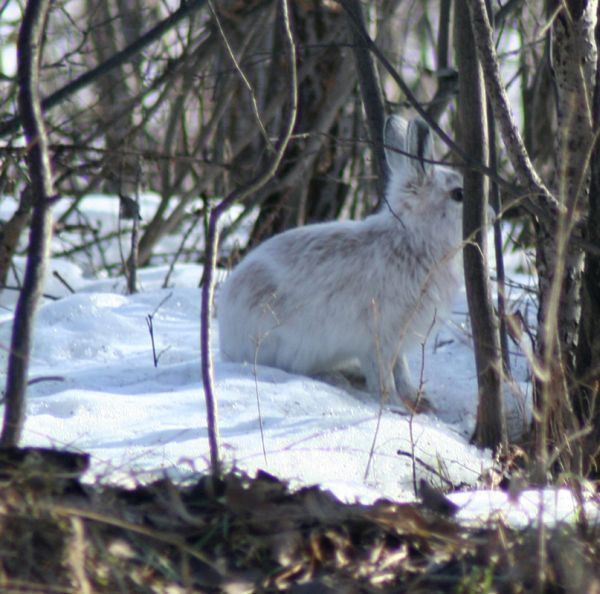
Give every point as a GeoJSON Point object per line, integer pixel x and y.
{"type": "Point", "coordinates": [559, 259]}
{"type": "Point", "coordinates": [574, 63]}
{"type": "Point", "coordinates": [29, 57]}
{"type": "Point", "coordinates": [370, 90]}
{"type": "Point", "coordinates": [496, 203]}
{"type": "Point", "coordinates": [490, 430]}
{"type": "Point", "coordinates": [587, 397]}
{"type": "Point", "coordinates": [540, 202]}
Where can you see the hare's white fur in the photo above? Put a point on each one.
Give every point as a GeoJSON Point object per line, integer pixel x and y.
{"type": "Point", "coordinates": [315, 298]}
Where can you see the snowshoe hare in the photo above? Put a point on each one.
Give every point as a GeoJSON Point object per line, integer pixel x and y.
{"type": "Point", "coordinates": [315, 298]}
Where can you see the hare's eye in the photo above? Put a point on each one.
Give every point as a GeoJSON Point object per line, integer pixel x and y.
{"type": "Point", "coordinates": [457, 194]}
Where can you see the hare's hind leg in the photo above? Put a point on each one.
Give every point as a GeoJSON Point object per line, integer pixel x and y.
{"type": "Point", "coordinates": [404, 386]}
{"type": "Point", "coordinates": [380, 381]}
{"type": "Point", "coordinates": [412, 398]}
{"type": "Point", "coordinates": [390, 381]}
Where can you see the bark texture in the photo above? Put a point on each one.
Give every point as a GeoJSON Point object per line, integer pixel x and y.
{"type": "Point", "coordinates": [28, 55]}
{"type": "Point", "coordinates": [370, 91]}
{"type": "Point", "coordinates": [490, 430]}
{"type": "Point", "coordinates": [587, 402]}
{"type": "Point", "coordinates": [559, 258]}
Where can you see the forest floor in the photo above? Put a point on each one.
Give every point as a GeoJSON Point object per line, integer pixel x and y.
{"type": "Point", "coordinates": [254, 535]}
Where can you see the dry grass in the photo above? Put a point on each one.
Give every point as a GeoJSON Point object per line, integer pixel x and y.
{"type": "Point", "coordinates": [254, 535]}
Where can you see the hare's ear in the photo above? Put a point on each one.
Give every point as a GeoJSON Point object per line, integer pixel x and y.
{"type": "Point", "coordinates": [394, 137]}
{"type": "Point", "coordinates": [418, 143]}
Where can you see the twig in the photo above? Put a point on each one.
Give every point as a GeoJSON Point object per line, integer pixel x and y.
{"type": "Point", "coordinates": [158, 535]}
{"type": "Point", "coordinates": [496, 204]}
{"type": "Point", "coordinates": [19, 288]}
{"type": "Point", "coordinates": [384, 395]}
{"type": "Point", "coordinates": [39, 380]}
{"type": "Point", "coordinates": [418, 107]}
{"type": "Point", "coordinates": [132, 261]}
{"type": "Point", "coordinates": [417, 402]}
{"type": "Point", "coordinates": [545, 203]}
{"type": "Point", "coordinates": [425, 465]}
{"type": "Point", "coordinates": [244, 78]}
{"type": "Point", "coordinates": [150, 323]}
{"type": "Point", "coordinates": [212, 239]}
{"type": "Point", "coordinates": [260, 417]}
{"type": "Point", "coordinates": [180, 249]}
{"type": "Point", "coordinates": [58, 276]}
{"type": "Point", "coordinates": [186, 8]}
{"type": "Point", "coordinates": [45, 378]}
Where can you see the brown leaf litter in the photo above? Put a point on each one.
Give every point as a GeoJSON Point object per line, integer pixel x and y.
{"type": "Point", "coordinates": [243, 535]}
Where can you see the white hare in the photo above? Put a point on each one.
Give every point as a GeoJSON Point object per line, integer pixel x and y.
{"type": "Point", "coordinates": [316, 298]}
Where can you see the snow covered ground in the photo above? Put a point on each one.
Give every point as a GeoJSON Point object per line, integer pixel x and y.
{"type": "Point", "coordinates": [95, 388]}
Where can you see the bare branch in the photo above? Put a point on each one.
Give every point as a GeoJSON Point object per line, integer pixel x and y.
{"type": "Point", "coordinates": [466, 159]}
{"type": "Point", "coordinates": [543, 202]}
{"type": "Point", "coordinates": [187, 7]}
{"type": "Point", "coordinates": [212, 240]}
{"type": "Point", "coordinates": [244, 78]}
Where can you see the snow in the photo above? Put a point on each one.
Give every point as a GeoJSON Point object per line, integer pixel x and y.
{"type": "Point", "coordinates": [94, 388]}
{"type": "Point", "coordinates": [549, 505]}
